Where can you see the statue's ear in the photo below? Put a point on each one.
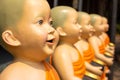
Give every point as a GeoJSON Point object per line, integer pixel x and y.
{"type": "Point", "coordinates": [61, 31]}
{"type": "Point", "coordinates": [10, 39]}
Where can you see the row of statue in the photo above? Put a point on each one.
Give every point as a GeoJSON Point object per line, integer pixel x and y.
{"type": "Point", "coordinates": [54, 44]}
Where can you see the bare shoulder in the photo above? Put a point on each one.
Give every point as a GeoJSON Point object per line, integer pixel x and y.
{"type": "Point", "coordinates": [62, 49]}
{"type": "Point", "coordinates": [93, 38]}
{"type": "Point", "coordinates": [62, 52]}
{"type": "Point", "coordinates": [10, 72]}
{"type": "Point", "coordinates": [19, 71]}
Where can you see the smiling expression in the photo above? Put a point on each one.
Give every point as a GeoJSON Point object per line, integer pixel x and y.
{"type": "Point", "coordinates": [34, 30]}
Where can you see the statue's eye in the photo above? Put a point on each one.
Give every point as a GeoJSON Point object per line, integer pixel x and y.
{"type": "Point", "coordinates": [40, 22]}
{"type": "Point", "coordinates": [51, 23]}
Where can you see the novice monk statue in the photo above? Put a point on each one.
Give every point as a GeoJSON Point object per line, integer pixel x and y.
{"type": "Point", "coordinates": [109, 46]}
{"type": "Point", "coordinates": [96, 22]}
{"type": "Point", "coordinates": [26, 32]}
{"type": "Point", "coordinates": [67, 60]}
{"type": "Point", "coordinates": [83, 45]}
{"type": "Point", "coordinates": [97, 43]}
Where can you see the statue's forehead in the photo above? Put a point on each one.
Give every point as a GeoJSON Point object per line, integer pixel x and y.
{"type": "Point", "coordinates": [10, 11]}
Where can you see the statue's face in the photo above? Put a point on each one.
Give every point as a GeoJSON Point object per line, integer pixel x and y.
{"type": "Point", "coordinates": [105, 23]}
{"type": "Point", "coordinates": [98, 25]}
{"type": "Point", "coordinates": [34, 30]}
{"type": "Point", "coordinates": [85, 23]}
{"type": "Point", "coordinates": [71, 26]}
{"type": "Point", "coordinates": [85, 20]}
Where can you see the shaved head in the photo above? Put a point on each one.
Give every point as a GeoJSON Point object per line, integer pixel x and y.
{"type": "Point", "coordinates": [10, 13]}
{"type": "Point", "coordinates": [80, 15]}
{"type": "Point", "coordinates": [60, 14]}
{"type": "Point", "coordinates": [93, 18]}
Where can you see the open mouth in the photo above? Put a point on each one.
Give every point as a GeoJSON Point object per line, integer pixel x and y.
{"type": "Point", "coordinates": [50, 41]}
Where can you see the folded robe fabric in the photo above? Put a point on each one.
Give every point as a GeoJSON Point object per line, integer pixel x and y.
{"type": "Point", "coordinates": [51, 74]}
{"type": "Point", "coordinates": [79, 67]}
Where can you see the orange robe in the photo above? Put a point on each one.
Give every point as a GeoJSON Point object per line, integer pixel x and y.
{"type": "Point", "coordinates": [79, 67]}
{"type": "Point", "coordinates": [107, 40]}
{"type": "Point", "coordinates": [51, 74]}
{"type": "Point", "coordinates": [102, 48]}
{"type": "Point", "coordinates": [89, 54]}
{"type": "Point", "coordinates": [102, 51]}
